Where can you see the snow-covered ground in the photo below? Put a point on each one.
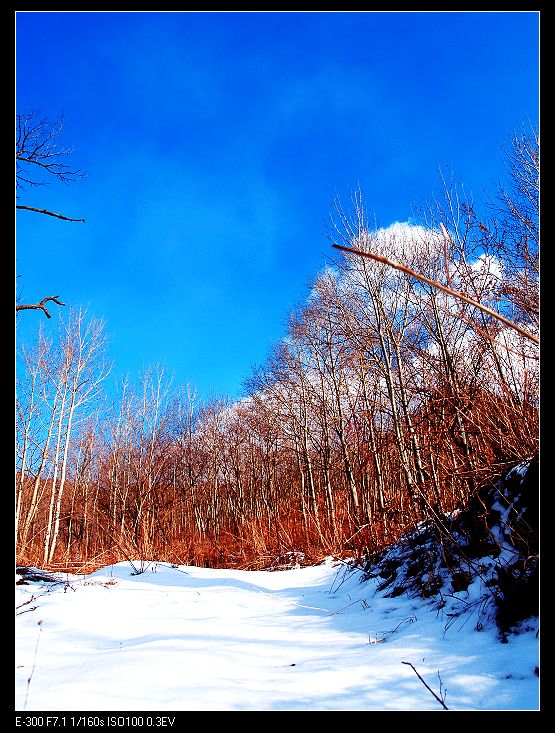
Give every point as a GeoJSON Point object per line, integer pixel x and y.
{"type": "Point", "coordinates": [313, 639]}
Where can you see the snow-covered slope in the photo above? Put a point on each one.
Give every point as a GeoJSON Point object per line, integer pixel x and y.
{"type": "Point", "coordinates": [315, 638]}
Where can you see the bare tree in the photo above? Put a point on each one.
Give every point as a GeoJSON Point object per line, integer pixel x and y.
{"type": "Point", "coordinates": [82, 370]}
{"type": "Point", "coordinates": [62, 382]}
{"type": "Point", "coordinates": [516, 214]}
{"type": "Point", "coordinates": [40, 158]}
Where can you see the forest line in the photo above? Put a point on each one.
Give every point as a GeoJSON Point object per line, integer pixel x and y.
{"type": "Point", "coordinates": [386, 403]}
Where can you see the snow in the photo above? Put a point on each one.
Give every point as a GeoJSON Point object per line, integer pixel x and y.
{"type": "Point", "coordinates": [319, 638]}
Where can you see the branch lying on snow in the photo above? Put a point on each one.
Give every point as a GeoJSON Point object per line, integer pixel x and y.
{"type": "Point", "coordinates": [40, 306]}
{"type": "Point", "coordinates": [26, 603]}
{"type": "Point", "coordinates": [435, 284]}
{"type": "Point", "coordinates": [441, 700]}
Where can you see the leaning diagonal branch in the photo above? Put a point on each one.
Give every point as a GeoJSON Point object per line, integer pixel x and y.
{"type": "Point", "coordinates": [445, 289]}
{"type": "Point", "coordinates": [439, 699]}
{"type": "Point", "coordinates": [40, 306]}
{"type": "Point", "coordinates": [45, 211]}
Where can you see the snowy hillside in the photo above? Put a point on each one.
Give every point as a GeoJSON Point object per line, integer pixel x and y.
{"type": "Point", "coordinates": [316, 638]}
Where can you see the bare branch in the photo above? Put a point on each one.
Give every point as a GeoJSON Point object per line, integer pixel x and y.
{"type": "Point", "coordinates": [38, 148]}
{"type": "Point", "coordinates": [45, 211]}
{"type": "Point", "coordinates": [41, 157]}
{"type": "Point", "coordinates": [40, 306]}
{"type": "Point", "coordinates": [439, 699]}
{"type": "Point", "coordinates": [435, 284]}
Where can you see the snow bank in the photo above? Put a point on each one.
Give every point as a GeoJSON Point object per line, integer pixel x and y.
{"type": "Point", "coordinates": [180, 638]}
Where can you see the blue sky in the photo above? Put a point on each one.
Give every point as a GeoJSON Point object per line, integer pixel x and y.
{"type": "Point", "coordinates": [214, 145]}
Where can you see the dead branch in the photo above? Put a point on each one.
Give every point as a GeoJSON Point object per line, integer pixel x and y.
{"type": "Point", "coordinates": [439, 699]}
{"type": "Point", "coordinates": [435, 284]}
{"type": "Point", "coordinates": [40, 306]}
{"type": "Point", "coordinates": [45, 211]}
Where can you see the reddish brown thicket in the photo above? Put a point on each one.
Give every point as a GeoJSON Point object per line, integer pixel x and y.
{"type": "Point", "coordinates": [240, 496]}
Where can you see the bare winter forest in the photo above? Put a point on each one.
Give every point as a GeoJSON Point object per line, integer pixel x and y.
{"type": "Point", "coordinates": [388, 401]}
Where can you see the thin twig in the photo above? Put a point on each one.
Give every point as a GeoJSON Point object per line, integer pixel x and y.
{"type": "Point", "coordinates": [39, 623]}
{"type": "Point", "coordinates": [446, 256]}
{"type": "Point", "coordinates": [439, 699]}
